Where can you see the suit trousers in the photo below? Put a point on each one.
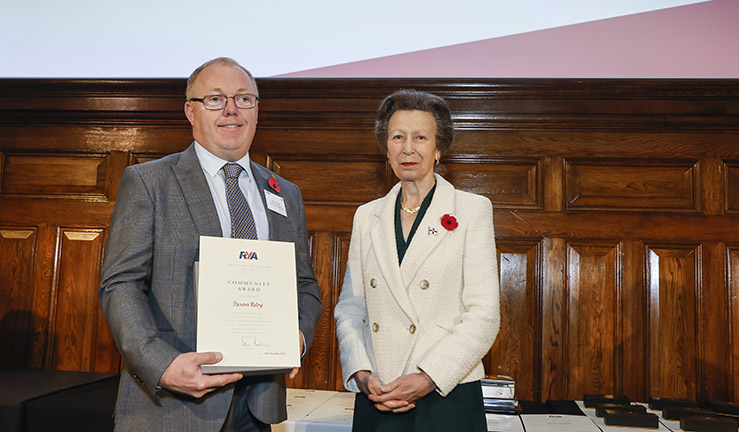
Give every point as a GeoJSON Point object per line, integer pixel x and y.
{"type": "Point", "coordinates": [460, 410]}
{"type": "Point", "coordinates": [240, 418]}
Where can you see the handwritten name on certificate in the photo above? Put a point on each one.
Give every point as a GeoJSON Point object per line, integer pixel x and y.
{"type": "Point", "coordinates": [247, 306]}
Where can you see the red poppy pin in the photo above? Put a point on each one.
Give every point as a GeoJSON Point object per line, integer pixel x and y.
{"type": "Point", "coordinates": [449, 222]}
{"type": "Point", "coordinates": [273, 184]}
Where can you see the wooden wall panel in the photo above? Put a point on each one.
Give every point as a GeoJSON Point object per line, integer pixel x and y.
{"type": "Point", "coordinates": [731, 186]}
{"type": "Point", "coordinates": [631, 376]}
{"type": "Point", "coordinates": [54, 175]}
{"type": "Point", "coordinates": [514, 351]}
{"type": "Point", "coordinates": [507, 183]}
{"type": "Point", "coordinates": [732, 282]}
{"type": "Point", "coordinates": [79, 336]}
{"type": "Point", "coordinates": [17, 251]}
{"type": "Point", "coordinates": [321, 367]}
{"type": "Point", "coordinates": [592, 318]}
{"type": "Point", "coordinates": [333, 180]}
{"type": "Point", "coordinates": [553, 304]}
{"type": "Point", "coordinates": [713, 313]}
{"type": "Point", "coordinates": [627, 185]}
{"type": "Point", "coordinates": [651, 166]}
{"type": "Point", "coordinates": [673, 280]}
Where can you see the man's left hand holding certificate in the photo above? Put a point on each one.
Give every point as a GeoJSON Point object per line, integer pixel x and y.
{"type": "Point", "coordinates": [247, 308]}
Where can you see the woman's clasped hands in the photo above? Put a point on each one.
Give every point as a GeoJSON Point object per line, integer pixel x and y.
{"type": "Point", "coordinates": [398, 395]}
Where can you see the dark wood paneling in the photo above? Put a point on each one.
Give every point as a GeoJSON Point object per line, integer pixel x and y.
{"type": "Point", "coordinates": [554, 308]}
{"type": "Point", "coordinates": [61, 175]}
{"type": "Point", "coordinates": [326, 179]}
{"type": "Point", "coordinates": [507, 183]}
{"type": "Point", "coordinates": [732, 186]}
{"type": "Point", "coordinates": [79, 338]}
{"type": "Point", "coordinates": [514, 351]}
{"type": "Point", "coordinates": [628, 185]}
{"type": "Point", "coordinates": [17, 250]}
{"type": "Point", "coordinates": [673, 281]}
{"type": "Point", "coordinates": [650, 165]}
{"type": "Point", "coordinates": [633, 349]}
{"type": "Point", "coordinates": [592, 318]}
{"type": "Point", "coordinates": [732, 283]}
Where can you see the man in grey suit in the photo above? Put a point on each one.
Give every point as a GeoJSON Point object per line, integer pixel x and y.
{"type": "Point", "coordinates": [146, 291]}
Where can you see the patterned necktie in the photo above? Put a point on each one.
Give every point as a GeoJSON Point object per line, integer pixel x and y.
{"type": "Point", "coordinates": [242, 221]}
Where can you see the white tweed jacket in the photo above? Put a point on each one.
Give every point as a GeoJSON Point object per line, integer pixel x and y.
{"type": "Point", "coordinates": [439, 311]}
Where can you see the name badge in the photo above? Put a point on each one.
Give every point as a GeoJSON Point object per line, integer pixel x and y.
{"type": "Point", "coordinates": [275, 203]}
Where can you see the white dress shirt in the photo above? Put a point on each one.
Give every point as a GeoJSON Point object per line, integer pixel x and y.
{"type": "Point", "coordinates": [212, 167]}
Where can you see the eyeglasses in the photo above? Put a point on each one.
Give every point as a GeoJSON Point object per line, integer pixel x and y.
{"type": "Point", "coordinates": [219, 101]}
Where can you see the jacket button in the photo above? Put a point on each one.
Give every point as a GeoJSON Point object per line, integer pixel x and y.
{"type": "Point", "coordinates": [424, 284]}
{"type": "Point", "coordinates": [373, 283]}
{"type": "Point", "coordinates": [412, 328]}
{"type": "Point", "coordinates": [375, 327]}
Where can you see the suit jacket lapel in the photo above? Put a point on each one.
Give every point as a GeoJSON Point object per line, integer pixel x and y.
{"type": "Point", "coordinates": [189, 174]}
{"type": "Point", "coordinates": [385, 250]}
{"type": "Point", "coordinates": [425, 241]}
{"type": "Point", "coordinates": [276, 221]}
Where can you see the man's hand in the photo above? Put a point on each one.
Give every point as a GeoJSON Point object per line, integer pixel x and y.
{"type": "Point", "coordinates": [294, 372]}
{"type": "Point", "coordinates": [184, 376]}
{"type": "Point", "coordinates": [401, 394]}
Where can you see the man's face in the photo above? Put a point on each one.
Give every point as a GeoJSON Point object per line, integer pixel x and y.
{"type": "Point", "coordinates": [226, 133]}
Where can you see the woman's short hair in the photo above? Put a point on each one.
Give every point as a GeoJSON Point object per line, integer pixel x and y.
{"type": "Point", "coordinates": [414, 100]}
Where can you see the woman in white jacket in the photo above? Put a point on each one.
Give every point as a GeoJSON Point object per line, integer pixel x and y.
{"type": "Point", "coordinates": [419, 306]}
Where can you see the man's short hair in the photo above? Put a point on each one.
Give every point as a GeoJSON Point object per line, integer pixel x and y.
{"type": "Point", "coordinates": [221, 60]}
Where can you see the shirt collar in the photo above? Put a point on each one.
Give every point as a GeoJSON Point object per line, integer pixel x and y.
{"type": "Point", "coordinates": [212, 164]}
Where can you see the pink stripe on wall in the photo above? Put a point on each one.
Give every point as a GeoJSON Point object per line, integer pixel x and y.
{"type": "Point", "coordinates": [694, 41]}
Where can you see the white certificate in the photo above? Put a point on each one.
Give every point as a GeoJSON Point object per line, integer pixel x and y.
{"type": "Point", "coordinates": [558, 423]}
{"type": "Point", "coordinates": [247, 307]}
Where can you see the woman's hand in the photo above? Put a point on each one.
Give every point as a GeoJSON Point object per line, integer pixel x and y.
{"type": "Point", "coordinates": [401, 394]}
{"type": "Point", "coordinates": [367, 383]}
{"type": "Point", "coordinates": [372, 387]}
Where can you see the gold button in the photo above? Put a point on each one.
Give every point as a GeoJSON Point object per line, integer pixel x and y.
{"type": "Point", "coordinates": [424, 284]}
{"type": "Point", "coordinates": [373, 283]}
{"type": "Point", "coordinates": [375, 327]}
{"type": "Point", "coordinates": [412, 328]}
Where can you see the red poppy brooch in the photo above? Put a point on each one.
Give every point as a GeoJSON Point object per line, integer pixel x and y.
{"type": "Point", "coordinates": [273, 184]}
{"type": "Point", "coordinates": [449, 222]}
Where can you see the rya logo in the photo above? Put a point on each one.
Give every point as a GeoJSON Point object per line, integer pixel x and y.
{"type": "Point", "coordinates": [248, 255]}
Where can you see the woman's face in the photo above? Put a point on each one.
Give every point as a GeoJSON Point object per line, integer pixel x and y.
{"type": "Point", "coordinates": [411, 145]}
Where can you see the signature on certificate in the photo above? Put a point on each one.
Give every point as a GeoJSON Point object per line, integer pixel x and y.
{"type": "Point", "coordinates": [252, 342]}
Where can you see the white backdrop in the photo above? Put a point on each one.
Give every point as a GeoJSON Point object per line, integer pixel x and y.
{"type": "Point", "coordinates": [151, 38]}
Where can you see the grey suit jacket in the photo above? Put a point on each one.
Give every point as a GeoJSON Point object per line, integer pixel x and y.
{"type": "Point", "coordinates": [146, 291]}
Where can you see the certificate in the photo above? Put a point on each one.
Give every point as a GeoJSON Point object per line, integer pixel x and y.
{"type": "Point", "coordinates": [558, 423]}
{"type": "Point", "coordinates": [246, 305]}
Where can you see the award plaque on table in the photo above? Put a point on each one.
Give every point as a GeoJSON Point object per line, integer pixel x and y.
{"type": "Point", "coordinates": [246, 305]}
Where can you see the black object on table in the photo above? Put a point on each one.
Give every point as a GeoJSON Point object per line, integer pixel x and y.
{"type": "Point", "coordinates": [676, 413]}
{"type": "Point", "coordinates": [591, 400]}
{"type": "Point", "coordinates": [707, 424]}
{"type": "Point", "coordinates": [564, 407]}
{"type": "Point", "coordinates": [20, 385]}
{"type": "Point", "coordinates": [87, 408]}
{"type": "Point", "coordinates": [658, 403]}
{"type": "Point", "coordinates": [600, 410]}
{"type": "Point", "coordinates": [724, 407]}
{"type": "Point", "coordinates": [533, 407]}
{"type": "Point", "coordinates": [620, 418]}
